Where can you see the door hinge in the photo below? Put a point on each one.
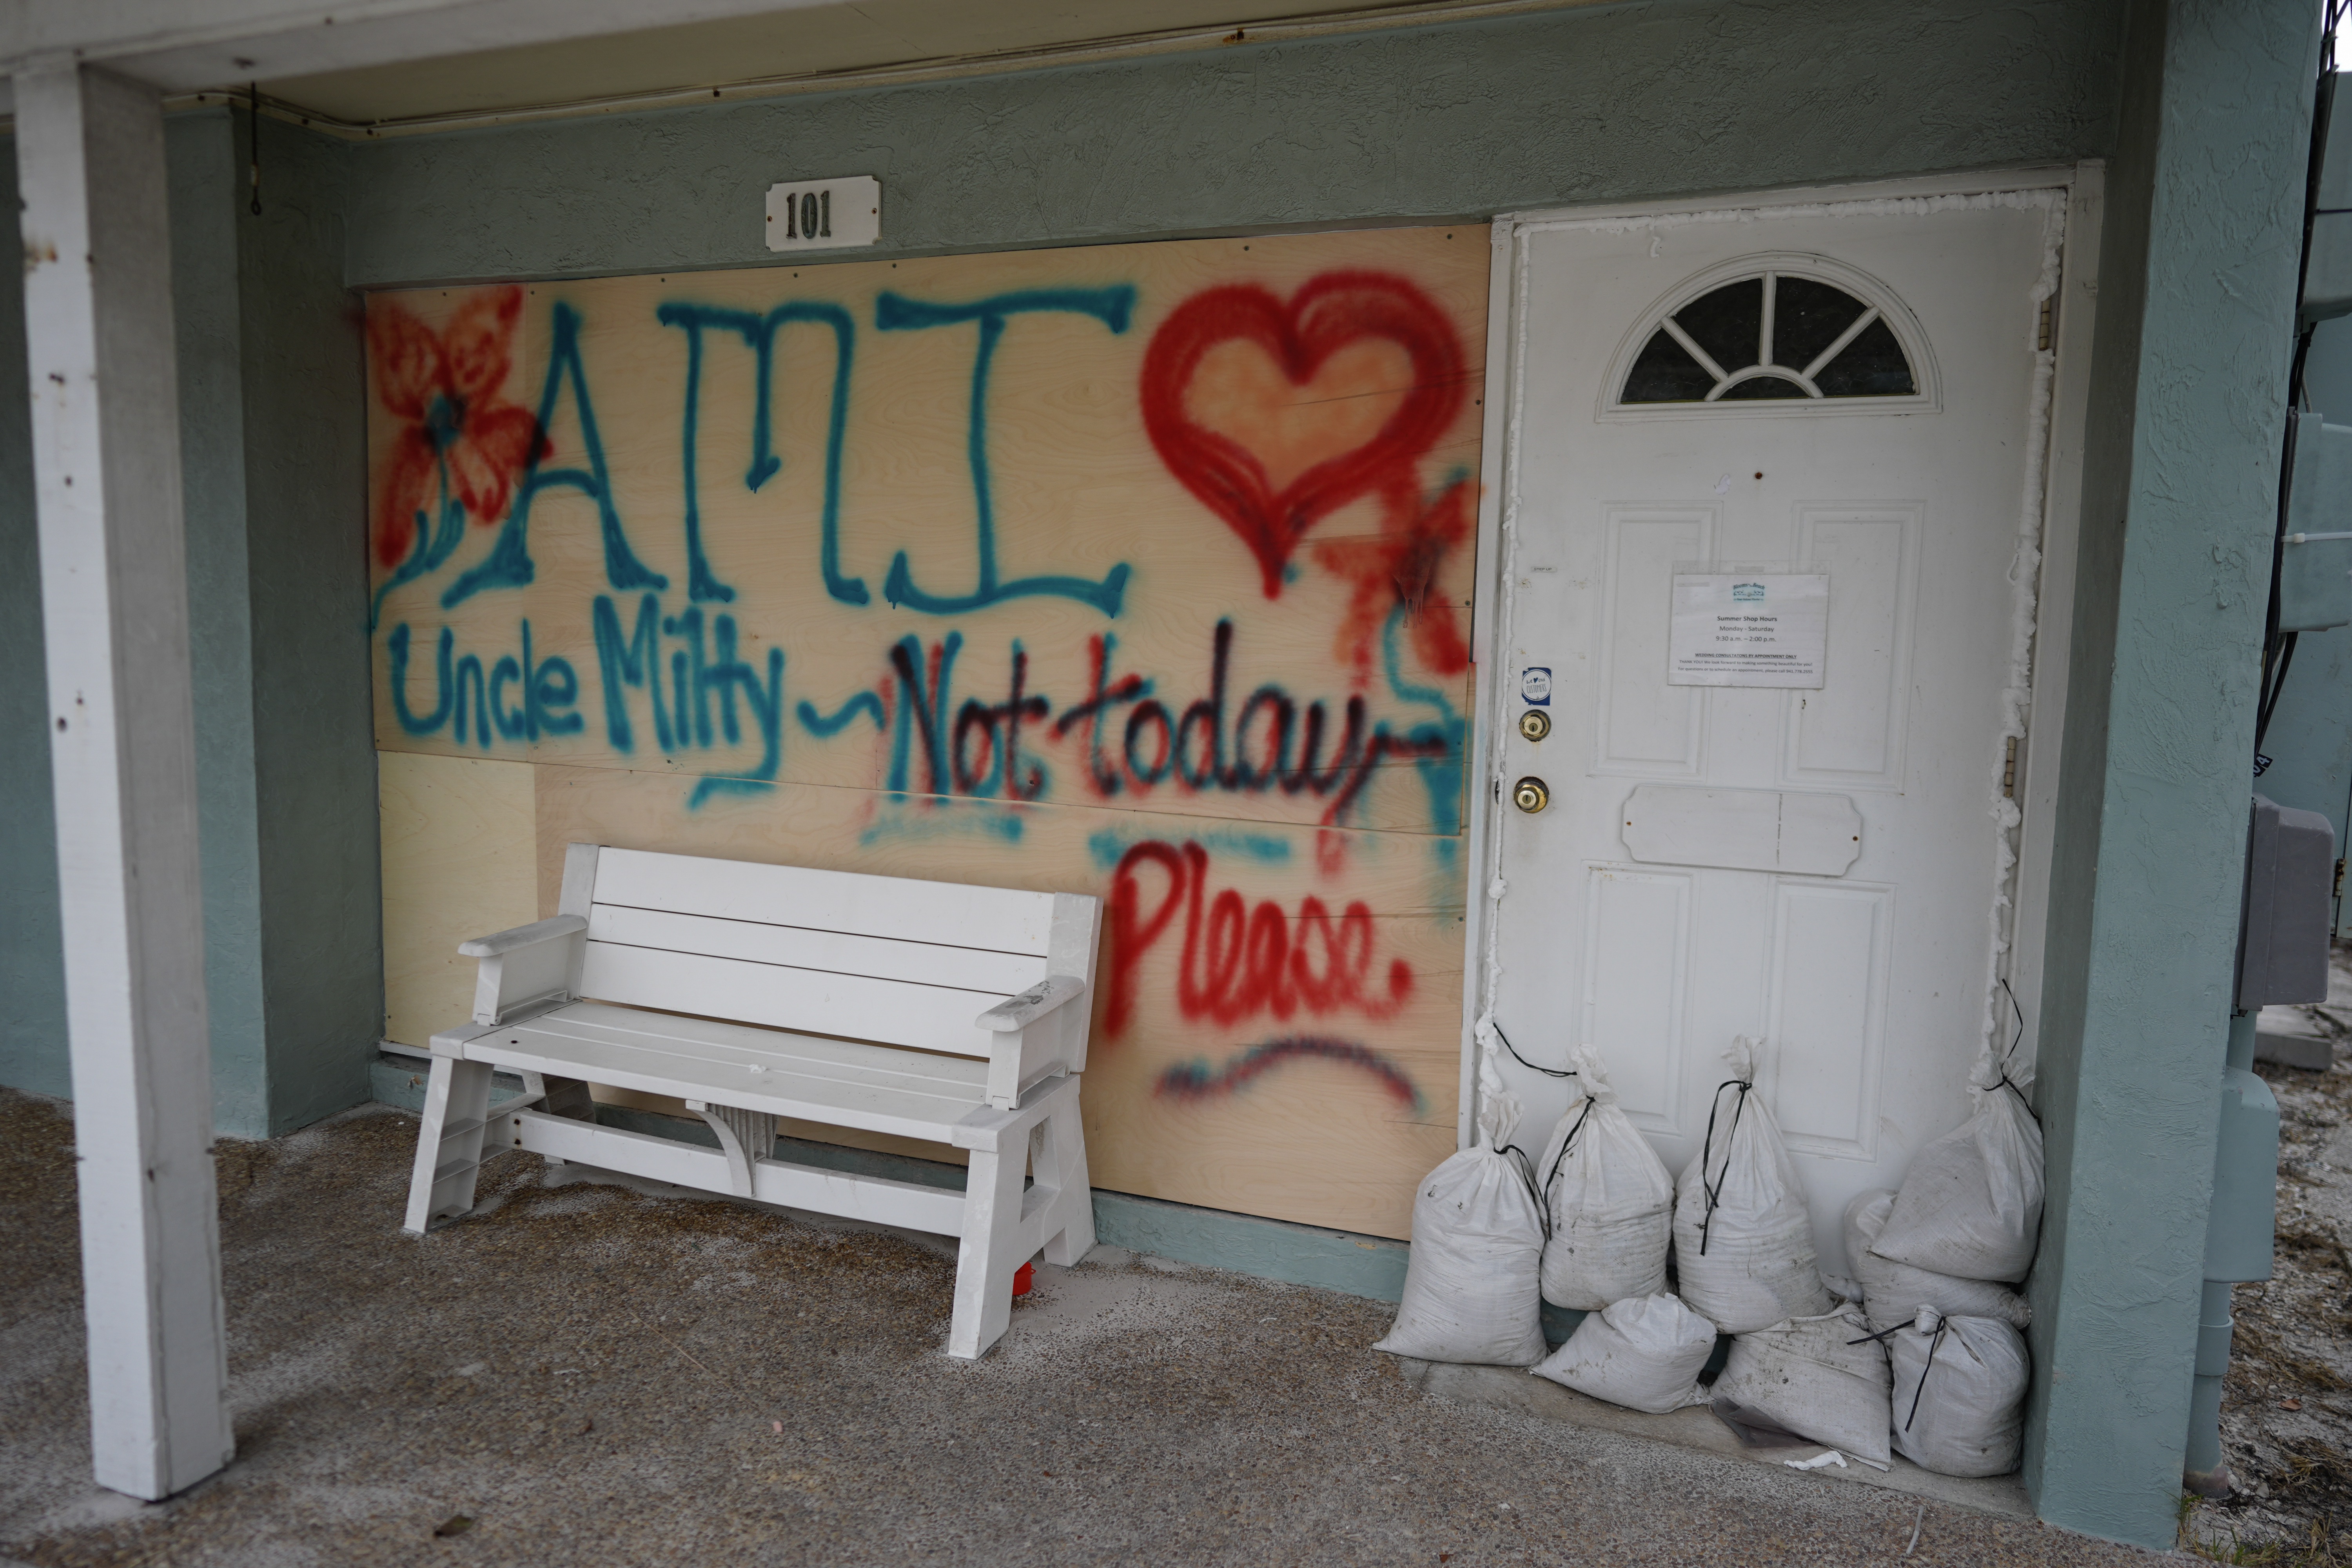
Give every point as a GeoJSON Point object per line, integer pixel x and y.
{"type": "Point", "coordinates": [2339, 876]}
{"type": "Point", "coordinates": [2042, 339]}
{"type": "Point", "coordinates": [2009, 771]}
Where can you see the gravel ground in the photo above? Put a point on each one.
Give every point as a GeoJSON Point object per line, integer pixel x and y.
{"type": "Point", "coordinates": [2287, 1409]}
{"type": "Point", "coordinates": [583, 1374]}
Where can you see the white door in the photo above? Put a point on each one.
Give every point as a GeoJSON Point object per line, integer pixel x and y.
{"type": "Point", "coordinates": [1720, 410]}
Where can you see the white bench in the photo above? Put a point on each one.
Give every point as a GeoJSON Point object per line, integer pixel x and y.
{"type": "Point", "coordinates": [932, 1010]}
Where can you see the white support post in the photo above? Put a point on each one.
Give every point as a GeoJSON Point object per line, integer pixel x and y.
{"type": "Point", "coordinates": [114, 603]}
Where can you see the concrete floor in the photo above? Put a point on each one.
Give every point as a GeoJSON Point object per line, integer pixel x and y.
{"type": "Point", "coordinates": [591, 1376]}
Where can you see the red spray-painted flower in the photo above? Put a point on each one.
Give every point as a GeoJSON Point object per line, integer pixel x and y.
{"type": "Point", "coordinates": [458, 436]}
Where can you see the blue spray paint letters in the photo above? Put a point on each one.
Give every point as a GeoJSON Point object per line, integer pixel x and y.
{"type": "Point", "coordinates": [509, 563]}
{"type": "Point", "coordinates": [759, 332]}
{"type": "Point", "coordinates": [1113, 307]}
{"type": "Point", "coordinates": [828, 725]}
{"type": "Point", "coordinates": [630, 661]}
{"type": "Point", "coordinates": [706, 680]}
{"type": "Point", "coordinates": [1439, 749]}
{"type": "Point", "coordinates": [465, 699]}
{"type": "Point", "coordinates": [396, 649]}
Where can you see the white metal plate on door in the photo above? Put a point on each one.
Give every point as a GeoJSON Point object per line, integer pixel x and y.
{"type": "Point", "coordinates": [1743, 829]}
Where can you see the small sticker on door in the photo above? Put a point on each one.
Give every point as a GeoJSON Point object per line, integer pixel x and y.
{"type": "Point", "coordinates": [1534, 685]}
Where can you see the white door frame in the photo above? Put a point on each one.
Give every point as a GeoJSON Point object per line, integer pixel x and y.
{"type": "Point", "coordinates": [2062, 509]}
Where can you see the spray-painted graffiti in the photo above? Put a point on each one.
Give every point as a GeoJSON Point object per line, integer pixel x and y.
{"type": "Point", "coordinates": [1228, 468]}
{"type": "Point", "coordinates": [457, 440]}
{"type": "Point", "coordinates": [1237, 963]}
{"type": "Point", "coordinates": [1199, 1080]}
{"type": "Point", "coordinates": [1098, 533]}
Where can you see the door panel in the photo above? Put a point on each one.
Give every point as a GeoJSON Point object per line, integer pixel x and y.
{"type": "Point", "coordinates": [1636, 965]}
{"type": "Point", "coordinates": [1851, 730]}
{"type": "Point", "coordinates": [1647, 727]}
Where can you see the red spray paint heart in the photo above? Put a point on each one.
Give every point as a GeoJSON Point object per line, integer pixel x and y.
{"type": "Point", "coordinates": [1332, 312]}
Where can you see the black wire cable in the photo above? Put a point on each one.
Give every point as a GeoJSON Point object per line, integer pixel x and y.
{"type": "Point", "coordinates": [253, 146]}
{"type": "Point", "coordinates": [1714, 1189]}
{"type": "Point", "coordinates": [1548, 1072]}
{"type": "Point", "coordinates": [2278, 649]}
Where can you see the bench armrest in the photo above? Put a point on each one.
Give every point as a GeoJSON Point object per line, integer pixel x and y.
{"type": "Point", "coordinates": [528, 967]}
{"type": "Point", "coordinates": [505, 941]}
{"type": "Point", "coordinates": [1017, 1012]}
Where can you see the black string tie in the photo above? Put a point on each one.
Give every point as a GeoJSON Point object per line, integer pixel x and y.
{"type": "Point", "coordinates": [1714, 1189]}
{"type": "Point", "coordinates": [1542, 1196]}
{"type": "Point", "coordinates": [1565, 1145]}
{"type": "Point", "coordinates": [2009, 1054]}
{"type": "Point", "coordinates": [1548, 1072]}
{"type": "Point", "coordinates": [1942, 1324]}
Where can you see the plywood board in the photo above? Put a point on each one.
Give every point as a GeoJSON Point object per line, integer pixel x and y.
{"type": "Point", "coordinates": [1140, 570]}
{"type": "Point", "coordinates": [458, 862]}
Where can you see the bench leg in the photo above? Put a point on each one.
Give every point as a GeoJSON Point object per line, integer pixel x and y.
{"type": "Point", "coordinates": [1061, 1163]}
{"type": "Point", "coordinates": [449, 1143]}
{"type": "Point", "coordinates": [991, 1250]}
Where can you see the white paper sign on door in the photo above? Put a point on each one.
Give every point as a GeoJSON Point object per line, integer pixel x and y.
{"type": "Point", "coordinates": [1748, 629]}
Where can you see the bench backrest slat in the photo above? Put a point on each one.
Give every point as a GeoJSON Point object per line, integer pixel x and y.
{"type": "Point", "coordinates": [886, 958]}
{"type": "Point", "coordinates": [798, 947]}
{"type": "Point", "coordinates": [949, 913]}
{"type": "Point", "coordinates": [932, 1017]}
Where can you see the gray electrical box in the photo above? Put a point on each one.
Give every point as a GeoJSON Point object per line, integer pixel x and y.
{"type": "Point", "coordinates": [2289, 885]}
{"type": "Point", "coordinates": [2316, 556]}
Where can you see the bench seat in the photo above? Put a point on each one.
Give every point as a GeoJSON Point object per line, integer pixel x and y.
{"type": "Point", "coordinates": [807, 1078]}
{"type": "Point", "coordinates": [933, 1011]}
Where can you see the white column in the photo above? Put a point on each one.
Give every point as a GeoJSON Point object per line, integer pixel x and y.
{"type": "Point", "coordinates": [114, 600]}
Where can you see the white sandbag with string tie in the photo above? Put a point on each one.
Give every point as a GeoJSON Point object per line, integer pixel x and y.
{"type": "Point", "coordinates": [1959, 1393]}
{"type": "Point", "coordinates": [1472, 1284]}
{"type": "Point", "coordinates": [1893, 1292]}
{"type": "Point", "coordinates": [1645, 1353]}
{"type": "Point", "coordinates": [1970, 1205]}
{"type": "Point", "coordinates": [1743, 1240]}
{"type": "Point", "coordinates": [1609, 1198]}
{"type": "Point", "coordinates": [1821, 1378]}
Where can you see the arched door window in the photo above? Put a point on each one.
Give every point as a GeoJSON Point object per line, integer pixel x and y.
{"type": "Point", "coordinates": [1801, 332]}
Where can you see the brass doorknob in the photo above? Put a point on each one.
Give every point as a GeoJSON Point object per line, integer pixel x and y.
{"type": "Point", "coordinates": [1535, 723]}
{"type": "Point", "coordinates": [1531, 795]}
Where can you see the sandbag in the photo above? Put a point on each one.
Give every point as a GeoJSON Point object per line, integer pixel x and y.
{"type": "Point", "coordinates": [1820, 1377]}
{"type": "Point", "coordinates": [1959, 1393]}
{"type": "Point", "coordinates": [1645, 1353]}
{"type": "Point", "coordinates": [1472, 1287]}
{"type": "Point", "coordinates": [1893, 1292]}
{"type": "Point", "coordinates": [1743, 1240]}
{"type": "Point", "coordinates": [1610, 1200]}
{"type": "Point", "coordinates": [1970, 1206]}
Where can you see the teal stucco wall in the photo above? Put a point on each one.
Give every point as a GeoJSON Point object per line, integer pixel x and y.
{"type": "Point", "coordinates": [1593, 103]}
{"type": "Point", "coordinates": [274, 456]}
{"type": "Point", "coordinates": [2187, 397]}
{"type": "Point", "coordinates": [32, 978]}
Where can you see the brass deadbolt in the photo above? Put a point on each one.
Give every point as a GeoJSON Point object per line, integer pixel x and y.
{"type": "Point", "coordinates": [1535, 723]}
{"type": "Point", "coordinates": [1531, 795]}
